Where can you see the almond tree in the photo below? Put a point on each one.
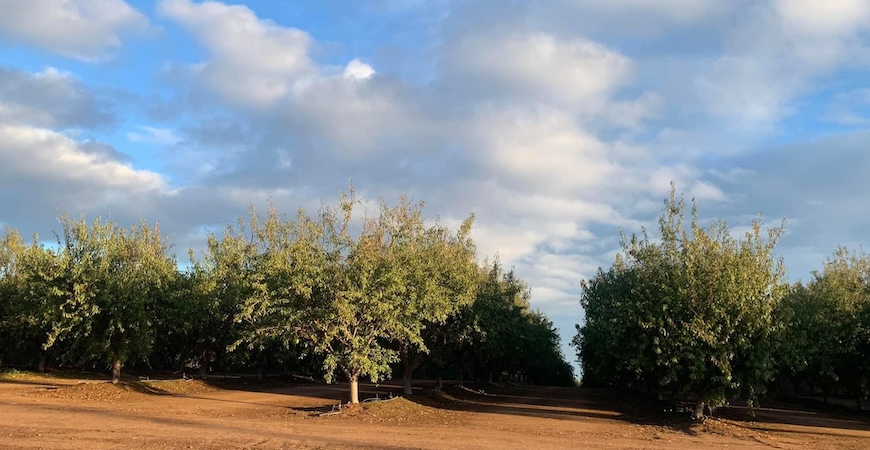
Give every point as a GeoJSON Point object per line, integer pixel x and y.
{"type": "Point", "coordinates": [326, 290]}
{"type": "Point", "coordinates": [437, 276]}
{"type": "Point", "coordinates": [38, 300]}
{"type": "Point", "coordinates": [114, 277]}
{"type": "Point", "coordinates": [10, 248]}
{"type": "Point", "coordinates": [826, 334]}
{"type": "Point", "coordinates": [354, 291]}
{"type": "Point", "coordinates": [226, 278]}
{"type": "Point", "coordinates": [690, 316]}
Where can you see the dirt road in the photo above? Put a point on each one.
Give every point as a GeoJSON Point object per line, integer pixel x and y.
{"type": "Point", "coordinates": [46, 413]}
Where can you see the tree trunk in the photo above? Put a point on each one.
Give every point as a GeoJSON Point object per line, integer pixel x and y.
{"type": "Point", "coordinates": [439, 383]}
{"type": "Point", "coordinates": [699, 411]}
{"type": "Point", "coordinates": [354, 388]}
{"type": "Point", "coordinates": [261, 367]}
{"type": "Point", "coordinates": [203, 364]}
{"type": "Point", "coordinates": [116, 371]}
{"type": "Point", "coordinates": [408, 373]}
{"type": "Point", "coordinates": [41, 364]}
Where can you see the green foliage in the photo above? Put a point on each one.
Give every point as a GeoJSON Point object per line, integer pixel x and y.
{"type": "Point", "coordinates": [500, 338]}
{"type": "Point", "coordinates": [115, 278]}
{"type": "Point", "coordinates": [226, 278]}
{"type": "Point", "coordinates": [10, 325]}
{"type": "Point", "coordinates": [690, 316]}
{"type": "Point", "coordinates": [825, 342]}
{"type": "Point", "coordinates": [435, 276]}
{"type": "Point", "coordinates": [92, 297]}
{"type": "Point", "coordinates": [343, 291]}
{"type": "Point", "coordinates": [498, 317]}
{"type": "Point", "coordinates": [38, 302]}
{"type": "Point", "coordinates": [349, 296]}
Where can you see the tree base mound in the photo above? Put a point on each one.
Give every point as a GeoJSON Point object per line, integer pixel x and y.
{"type": "Point", "coordinates": [413, 409]}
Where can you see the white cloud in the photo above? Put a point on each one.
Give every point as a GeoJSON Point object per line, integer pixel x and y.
{"type": "Point", "coordinates": [733, 175]}
{"type": "Point", "coordinates": [349, 116]}
{"type": "Point", "coordinates": [667, 11]}
{"type": "Point", "coordinates": [688, 179]}
{"type": "Point", "coordinates": [509, 243]}
{"type": "Point", "coordinates": [828, 17]}
{"type": "Point", "coordinates": [252, 61]}
{"type": "Point", "coordinates": [49, 98]}
{"type": "Point", "coordinates": [644, 20]}
{"type": "Point", "coordinates": [577, 74]}
{"type": "Point", "coordinates": [255, 62]}
{"type": "Point", "coordinates": [523, 152]}
{"type": "Point", "coordinates": [754, 93]}
{"type": "Point", "coordinates": [44, 173]}
{"type": "Point", "coordinates": [358, 70]}
{"type": "Point", "coordinates": [41, 154]}
{"type": "Point", "coordinates": [541, 148]}
{"type": "Point", "coordinates": [154, 135]}
{"type": "Point", "coordinates": [82, 29]}
{"type": "Point", "coordinates": [777, 52]}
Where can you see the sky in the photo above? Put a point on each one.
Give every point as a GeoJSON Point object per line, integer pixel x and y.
{"type": "Point", "coordinates": [557, 123]}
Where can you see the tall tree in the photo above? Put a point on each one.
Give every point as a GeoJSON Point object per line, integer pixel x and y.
{"type": "Point", "coordinates": [39, 301]}
{"type": "Point", "coordinates": [115, 278]}
{"type": "Point", "coordinates": [10, 249]}
{"type": "Point", "coordinates": [824, 338]}
{"type": "Point", "coordinates": [230, 274]}
{"type": "Point", "coordinates": [323, 287]}
{"type": "Point", "coordinates": [354, 291]}
{"type": "Point", "coordinates": [499, 337]}
{"type": "Point", "coordinates": [502, 299]}
{"type": "Point", "coordinates": [436, 275]}
{"type": "Point", "coordinates": [691, 315]}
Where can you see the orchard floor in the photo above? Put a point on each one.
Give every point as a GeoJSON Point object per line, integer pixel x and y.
{"type": "Point", "coordinates": [61, 413]}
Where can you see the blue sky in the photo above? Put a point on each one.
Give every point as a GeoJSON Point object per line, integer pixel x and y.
{"type": "Point", "coordinates": [557, 122]}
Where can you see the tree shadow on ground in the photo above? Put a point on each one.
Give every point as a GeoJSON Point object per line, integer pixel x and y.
{"type": "Point", "coordinates": [580, 403]}
{"type": "Point", "coordinates": [778, 412]}
{"type": "Point", "coordinates": [32, 382]}
{"type": "Point", "coordinates": [563, 403]}
{"type": "Point", "coordinates": [553, 403]}
{"type": "Point", "coordinates": [539, 402]}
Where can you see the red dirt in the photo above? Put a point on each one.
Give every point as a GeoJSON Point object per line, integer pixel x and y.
{"type": "Point", "coordinates": [54, 413]}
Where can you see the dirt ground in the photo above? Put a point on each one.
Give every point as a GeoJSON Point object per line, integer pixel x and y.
{"type": "Point", "coordinates": [67, 413]}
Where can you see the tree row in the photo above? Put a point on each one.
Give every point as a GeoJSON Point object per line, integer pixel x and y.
{"type": "Point", "coordinates": [343, 293]}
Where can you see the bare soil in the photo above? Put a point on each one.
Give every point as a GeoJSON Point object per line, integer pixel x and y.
{"type": "Point", "coordinates": [44, 412]}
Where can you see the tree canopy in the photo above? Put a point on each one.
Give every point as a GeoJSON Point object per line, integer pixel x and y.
{"type": "Point", "coordinates": [689, 315]}
{"type": "Point", "coordinates": [824, 342]}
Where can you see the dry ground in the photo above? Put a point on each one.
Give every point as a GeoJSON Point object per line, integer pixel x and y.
{"type": "Point", "coordinates": [66, 413]}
